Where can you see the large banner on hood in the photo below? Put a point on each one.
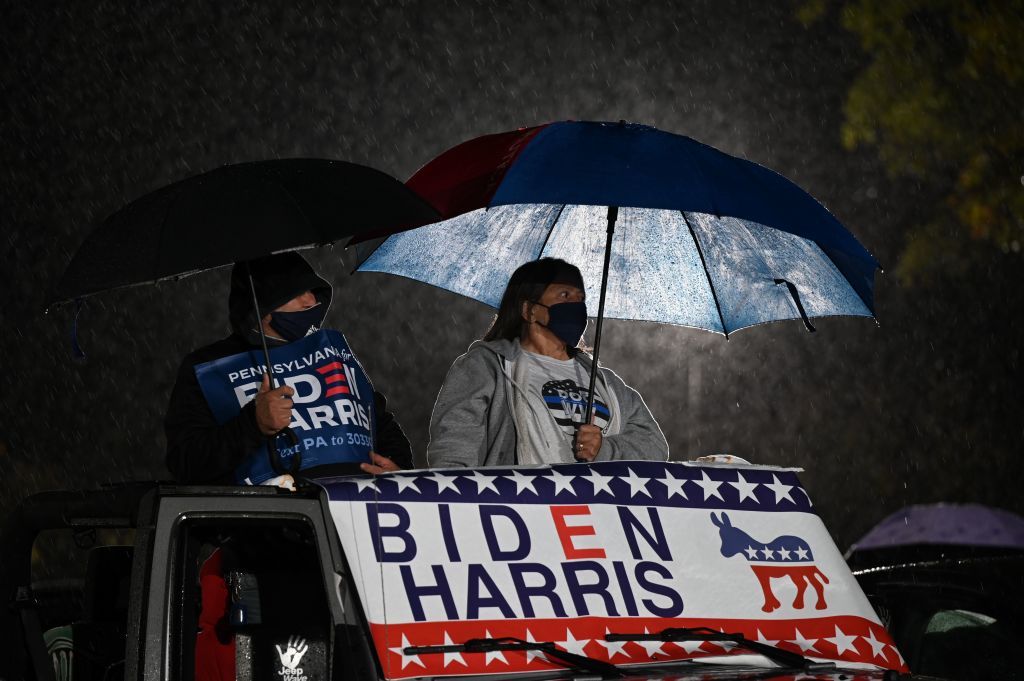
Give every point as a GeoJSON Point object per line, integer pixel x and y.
{"type": "Point", "coordinates": [333, 400]}
{"type": "Point", "coordinates": [570, 553]}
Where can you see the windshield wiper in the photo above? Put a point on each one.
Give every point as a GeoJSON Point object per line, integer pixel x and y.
{"type": "Point", "coordinates": [785, 658]}
{"type": "Point", "coordinates": [489, 645]}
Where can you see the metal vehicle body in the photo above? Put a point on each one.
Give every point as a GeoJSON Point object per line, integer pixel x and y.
{"type": "Point", "coordinates": [284, 541]}
{"type": "Point", "coordinates": [953, 611]}
{"type": "Point", "coordinates": [288, 535]}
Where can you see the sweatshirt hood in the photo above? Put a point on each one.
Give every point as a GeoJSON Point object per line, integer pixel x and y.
{"type": "Point", "coordinates": [277, 279]}
{"type": "Point", "coordinates": [511, 350]}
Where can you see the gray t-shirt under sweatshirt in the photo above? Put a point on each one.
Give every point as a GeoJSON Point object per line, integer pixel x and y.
{"type": "Point", "coordinates": [556, 394]}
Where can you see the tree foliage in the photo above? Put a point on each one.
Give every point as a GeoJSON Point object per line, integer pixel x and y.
{"type": "Point", "coordinates": [941, 99]}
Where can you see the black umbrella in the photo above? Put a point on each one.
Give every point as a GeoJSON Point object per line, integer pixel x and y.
{"type": "Point", "coordinates": [237, 213]}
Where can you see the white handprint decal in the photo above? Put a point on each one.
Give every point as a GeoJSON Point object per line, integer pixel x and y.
{"type": "Point", "coordinates": [291, 657]}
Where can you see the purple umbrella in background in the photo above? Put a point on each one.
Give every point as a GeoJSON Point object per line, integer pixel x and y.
{"type": "Point", "coordinates": [945, 524]}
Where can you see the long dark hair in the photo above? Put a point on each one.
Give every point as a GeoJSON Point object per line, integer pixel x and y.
{"type": "Point", "coordinates": [527, 283]}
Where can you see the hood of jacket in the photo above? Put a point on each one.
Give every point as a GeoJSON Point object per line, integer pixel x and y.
{"type": "Point", "coordinates": [277, 279]}
{"type": "Point", "coordinates": [511, 350]}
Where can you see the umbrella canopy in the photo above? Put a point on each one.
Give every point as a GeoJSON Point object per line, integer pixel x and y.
{"type": "Point", "coordinates": [235, 213]}
{"type": "Point", "coordinates": [699, 238]}
{"type": "Point", "coordinates": [946, 524]}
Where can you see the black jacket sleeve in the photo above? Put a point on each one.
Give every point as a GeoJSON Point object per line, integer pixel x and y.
{"type": "Point", "coordinates": [390, 438]}
{"type": "Point", "coordinates": [199, 450]}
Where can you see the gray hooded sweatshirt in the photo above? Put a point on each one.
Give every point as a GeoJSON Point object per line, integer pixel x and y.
{"type": "Point", "coordinates": [474, 422]}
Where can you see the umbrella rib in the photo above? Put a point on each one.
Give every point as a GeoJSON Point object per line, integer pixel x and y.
{"type": "Point", "coordinates": [162, 233]}
{"type": "Point", "coordinates": [707, 274]}
{"type": "Point", "coordinates": [298, 206]}
{"type": "Point", "coordinates": [551, 230]}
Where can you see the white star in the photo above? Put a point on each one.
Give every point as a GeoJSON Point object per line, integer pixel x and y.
{"type": "Point", "coordinates": [523, 482]}
{"type": "Point", "coordinates": [653, 648]}
{"type": "Point", "coordinates": [746, 489]}
{"type": "Point", "coordinates": [562, 482]}
{"type": "Point", "coordinates": [673, 485]}
{"type": "Point", "coordinates": [690, 646]}
{"type": "Point", "coordinates": [801, 553]}
{"type": "Point", "coordinates": [407, 659]}
{"type": "Point", "coordinates": [805, 644]}
{"type": "Point", "coordinates": [533, 654]}
{"type": "Point", "coordinates": [405, 482]}
{"type": "Point", "coordinates": [600, 482]}
{"type": "Point", "coordinates": [767, 553]}
{"type": "Point", "coordinates": [366, 483]}
{"type": "Point", "coordinates": [636, 483]}
{"type": "Point", "coordinates": [724, 645]}
{"type": "Point", "coordinates": [751, 552]}
{"type": "Point", "coordinates": [446, 482]}
{"type": "Point", "coordinates": [784, 554]}
{"type": "Point", "coordinates": [483, 482]}
{"type": "Point", "coordinates": [843, 642]}
{"type": "Point", "coordinates": [762, 639]}
{"type": "Point", "coordinates": [877, 647]}
{"type": "Point", "coordinates": [573, 645]}
{"type": "Point", "coordinates": [452, 657]}
{"type": "Point", "coordinates": [493, 654]}
{"type": "Point", "coordinates": [709, 486]}
{"type": "Point", "coordinates": [613, 647]}
{"type": "Point", "coordinates": [781, 491]}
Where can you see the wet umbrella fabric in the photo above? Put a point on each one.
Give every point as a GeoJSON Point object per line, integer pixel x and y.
{"type": "Point", "coordinates": [946, 524]}
{"type": "Point", "coordinates": [235, 213]}
{"type": "Point", "coordinates": [702, 239]}
{"type": "Point", "coordinates": [675, 231]}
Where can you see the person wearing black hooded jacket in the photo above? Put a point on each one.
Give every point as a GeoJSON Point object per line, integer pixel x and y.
{"type": "Point", "coordinates": [200, 450]}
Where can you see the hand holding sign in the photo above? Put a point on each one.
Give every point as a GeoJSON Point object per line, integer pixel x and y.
{"type": "Point", "coordinates": [327, 406]}
{"type": "Point", "coordinates": [273, 407]}
{"type": "Point", "coordinates": [381, 464]}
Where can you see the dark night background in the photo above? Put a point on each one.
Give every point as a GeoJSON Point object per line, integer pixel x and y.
{"type": "Point", "coordinates": [103, 102]}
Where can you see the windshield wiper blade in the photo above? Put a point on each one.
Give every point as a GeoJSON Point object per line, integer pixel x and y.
{"type": "Point", "coordinates": [489, 645]}
{"type": "Point", "coordinates": [785, 658]}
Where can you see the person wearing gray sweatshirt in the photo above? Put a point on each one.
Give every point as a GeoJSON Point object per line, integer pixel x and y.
{"type": "Point", "coordinates": [519, 395]}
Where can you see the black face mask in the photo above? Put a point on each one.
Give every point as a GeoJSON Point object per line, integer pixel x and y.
{"type": "Point", "coordinates": [568, 321]}
{"type": "Point", "coordinates": [295, 325]}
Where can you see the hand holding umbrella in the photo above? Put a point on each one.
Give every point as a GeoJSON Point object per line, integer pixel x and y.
{"type": "Point", "coordinates": [273, 407]}
{"type": "Point", "coordinates": [588, 439]}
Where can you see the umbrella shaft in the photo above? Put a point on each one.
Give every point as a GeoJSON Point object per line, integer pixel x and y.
{"type": "Point", "coordinates": [613, 214]}
{"type": "Point", "coordinates": [259, 325]}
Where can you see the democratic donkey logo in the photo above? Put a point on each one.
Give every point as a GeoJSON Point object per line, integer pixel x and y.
{"type": "Point", "coordinates": [785, 556]}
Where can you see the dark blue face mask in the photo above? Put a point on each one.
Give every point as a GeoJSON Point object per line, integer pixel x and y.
{"type": "Point", "coordinates": [292, 326]}
{"type": "Point", "coordinates": [568, 321]}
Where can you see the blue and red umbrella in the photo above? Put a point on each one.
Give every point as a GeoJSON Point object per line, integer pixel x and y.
{"type": "Point", "coordinates": [676, 231]}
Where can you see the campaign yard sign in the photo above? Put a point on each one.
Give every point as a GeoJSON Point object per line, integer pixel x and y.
{"type": "Point", "coordinates": [570, 553]}
{"type": "Point", "coordinates": [333, 400]}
